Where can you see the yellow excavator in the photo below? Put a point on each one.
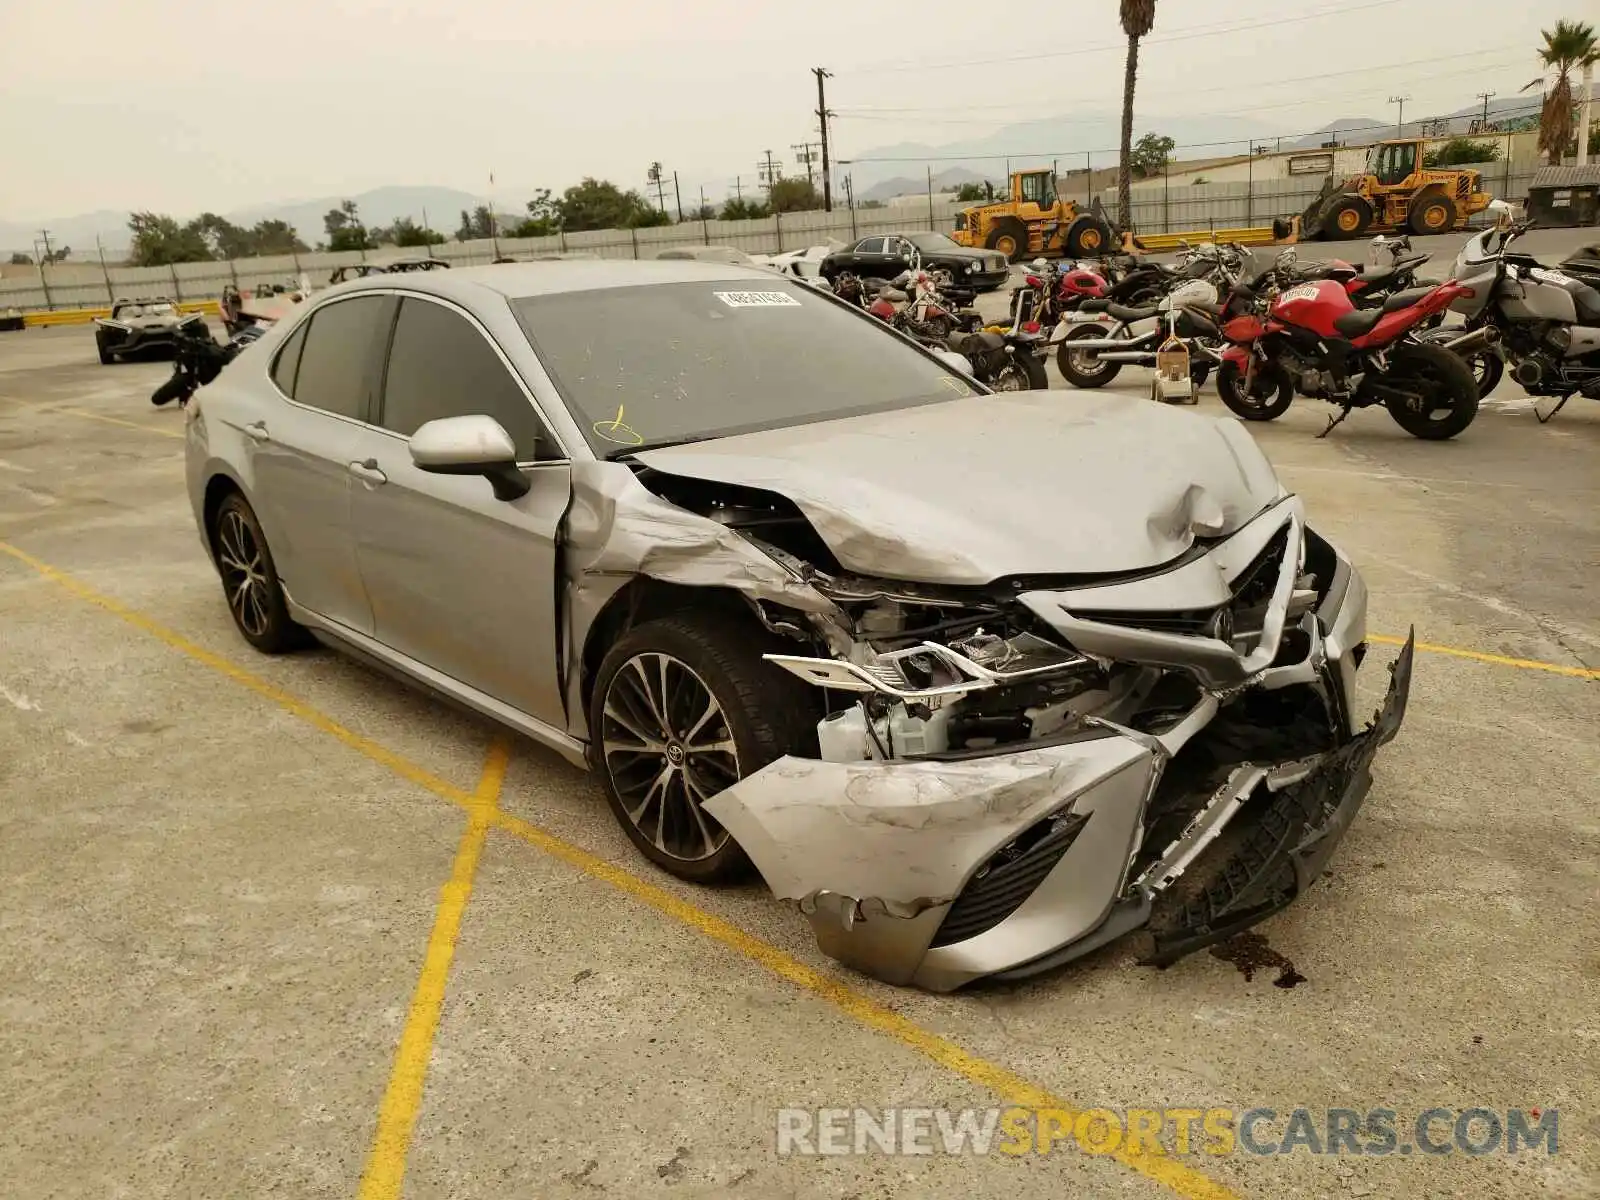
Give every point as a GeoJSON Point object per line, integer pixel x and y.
{"type": "Point", "coordinates": [1034, 221]}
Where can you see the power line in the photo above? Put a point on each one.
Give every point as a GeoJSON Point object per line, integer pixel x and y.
{"type": "Point", "coordinates": [1050, 154]}
{"type": "Point", "coordinates": [1023, 109]}
{"type": "Point", "coordinates": [1190, 33]}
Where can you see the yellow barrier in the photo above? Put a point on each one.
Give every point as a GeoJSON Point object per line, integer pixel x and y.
{"type": "Point", "coordinates": [1257, 235]}
{"type": "Point", "coordinates": [82, 316]}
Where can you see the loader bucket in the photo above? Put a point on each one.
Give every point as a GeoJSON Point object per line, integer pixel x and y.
{"type": "Point", "coordinates": [1317, 211]}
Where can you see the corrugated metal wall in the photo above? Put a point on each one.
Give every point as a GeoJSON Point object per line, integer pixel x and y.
{"type": "Point", "coordinates": [1155, 210]}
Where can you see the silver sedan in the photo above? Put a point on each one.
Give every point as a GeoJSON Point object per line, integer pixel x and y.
{"type": "Point", "coordinates": [979, 682]}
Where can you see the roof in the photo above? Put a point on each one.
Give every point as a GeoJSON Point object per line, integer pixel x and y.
{"type": "Point", "coordinates": [1566, 177]}
{"type": "Point", "coordinates": [516, 280]}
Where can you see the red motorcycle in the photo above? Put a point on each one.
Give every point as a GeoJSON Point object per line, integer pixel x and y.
{"type": "Point", "coordinates": [1313, 340]}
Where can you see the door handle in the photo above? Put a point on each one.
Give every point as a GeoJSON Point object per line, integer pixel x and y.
{"type": "Point", "coordinates": [368, 471]}
{"type": "Point", "coordinates": [256, 431]}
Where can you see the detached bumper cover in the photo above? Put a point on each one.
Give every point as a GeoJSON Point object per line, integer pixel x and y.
{"type": "Point", "coordinates": [936, 872]}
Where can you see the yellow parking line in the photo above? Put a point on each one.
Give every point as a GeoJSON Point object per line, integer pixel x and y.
{"type": "Point", "coordinates": [402, 1100]}
{"type": "Point", "coordinates": [1499, 660]}
{"type": "Point", "coordinates": [89, 416]}
{"type": "Point", "coordinates": [1004, 1083]}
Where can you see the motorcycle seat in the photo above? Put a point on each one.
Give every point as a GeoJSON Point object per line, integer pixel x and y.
{"type": "Point", "coordinates": [1094, 305]}
{"type": "Point", "coordinates": [1358, 321]}
{"type": "Point", "coordinates": [1123, 313]}
{"type": "Point", "coordinates": [1404, 299]}
{"type": "Point", "coordinates": [964, 343]}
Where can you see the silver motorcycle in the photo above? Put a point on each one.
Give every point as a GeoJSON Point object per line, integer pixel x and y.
{"type": "Point", "coordinates": [1542, 323]}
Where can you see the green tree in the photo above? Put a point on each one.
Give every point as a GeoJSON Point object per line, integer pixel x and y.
{"type": "Point", "coordinates": [1461, 150]}
{"type": "Point", "coordinates": [794, 195]}
{"type": "Point", "coordinates": [405, 232]}
{"type": "Point", "coordinates": [601, 204]}
{"type": "Point", "coordinates": [1138, 16]}
{"type": "Point", "coordinates": [706, 212]}
{"type": "Point", "coordinates": [222, 237]}
{"type": "Point", "coordinates": [158, 240]}
{"type": "Point", "coordinates": [345, 230]}
{"type": "Point", "coordinates": [1570, 44]}
{"type": "Point", "coordinates": [1151, 155]}
{"type": "Point", "coordinates": [276, 237]}
{"type": "Point", "coordinates": [543, 218]}
{"type": "Point", "coordinates": [740, 209]}
{"type": "Point", "coordinates": [969, 193]}
{"type": "Point", "coordinates": [475, 225]}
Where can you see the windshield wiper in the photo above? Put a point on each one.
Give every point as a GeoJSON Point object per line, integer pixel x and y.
{"type": "Point", "coordinates": [630, 451]}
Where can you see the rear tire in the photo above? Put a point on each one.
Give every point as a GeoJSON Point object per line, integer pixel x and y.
{"type": "Point", "coordinates": [1026, 369]}
{"type": "Point", "coordinates": [1271, 391]}
{"type": "Point", "coordinates": [1076, 368]}
{"type": "Point", "coordinates": [1449, 384]}
{"type": "Point", "coordinates": [728, 712]}
{"type": "Point", "coordinates": [1348, 218]}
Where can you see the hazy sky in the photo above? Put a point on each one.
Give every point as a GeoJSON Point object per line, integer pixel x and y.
{"type": "Point", "coordinates": [178, 106]}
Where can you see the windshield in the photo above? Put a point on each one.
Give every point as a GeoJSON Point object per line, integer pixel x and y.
{"type": "Point", "coordinates": [641, 366]}
{"type": "Point", "coordinates": [931, 241]}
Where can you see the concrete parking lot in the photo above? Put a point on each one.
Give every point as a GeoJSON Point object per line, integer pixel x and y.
{"type": "Point", "coordinates": [281, 926]}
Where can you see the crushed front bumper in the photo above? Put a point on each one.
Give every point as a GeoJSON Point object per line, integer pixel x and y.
{"type": "Point", "coordinates": [935, 872]}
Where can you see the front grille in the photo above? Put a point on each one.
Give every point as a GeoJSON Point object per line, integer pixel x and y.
{"type": "Point", "coordinates": [1008, 879]}
{"type": "Point", "coordinates": [1188, 623]}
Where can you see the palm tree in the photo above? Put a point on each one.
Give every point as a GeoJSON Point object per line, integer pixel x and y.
{"type": "Point", "coordinates": [1137, 18]}
{"type": "Point", "coordinates": [1570, 44]}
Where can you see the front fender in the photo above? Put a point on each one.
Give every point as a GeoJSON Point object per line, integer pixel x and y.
{"type": "Point", "coordinates": [1238, 356]}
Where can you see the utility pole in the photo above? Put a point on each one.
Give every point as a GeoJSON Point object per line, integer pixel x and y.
{"type": "Point", "coordinates": [822, 117]}
{"type": "Point", "coordinates": [654, 177]}
{"type": "Point", "coordinates": [768, 173]}
{"type": "Point", "coordinates": [1484, 123]}
{"type": "Point", "coordinates": [705, 230]}
{"type": "Point", "coordinates": [678, 196]}
{"type": "Point", "coordinates": [805, 153]}
{"type": "Point", "coordinates": [1400, 119]}
{"type": "Point", "coordinates": [738, 188]}
{"type": "Point", "coordinates": [44, 234]}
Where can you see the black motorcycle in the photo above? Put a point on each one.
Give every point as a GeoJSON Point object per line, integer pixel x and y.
{"type": "Point", "coordinates": [199, 358]}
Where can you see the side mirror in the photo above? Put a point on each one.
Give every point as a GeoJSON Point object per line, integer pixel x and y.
{"type": "Point", "coordinates": [475, 445]}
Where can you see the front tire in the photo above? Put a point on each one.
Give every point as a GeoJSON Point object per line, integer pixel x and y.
{"type": "Point", "coordinates": [1077, 367]}
{"type": "Point", "coordinates": [683, 707]}
{"type": "Point", "coordinates": [1450, 392]}
{"type": "Point", "coordinates": [250, 581]}
{"type": "Point", "coordinates": [1270, 394]}
{"type": "Point", "coordinates": [106, 357]}
{"type": "Point", "coordinates": [1436, 214]}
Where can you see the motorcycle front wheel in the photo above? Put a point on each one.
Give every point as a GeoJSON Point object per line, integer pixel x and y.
{"type": "Point", "coordinates": [1448, 392]}
{"type": "Point", "coordinates": [1270, 393]}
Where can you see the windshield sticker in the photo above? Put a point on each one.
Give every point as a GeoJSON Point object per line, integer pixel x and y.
{"type": "Point", "coordinates": [757, 299]}
{"type": "Point", "coordinates": [615, 431]}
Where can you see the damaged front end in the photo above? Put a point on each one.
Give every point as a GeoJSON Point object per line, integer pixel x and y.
{"type": "Point", "coordinates": [1012, 776]}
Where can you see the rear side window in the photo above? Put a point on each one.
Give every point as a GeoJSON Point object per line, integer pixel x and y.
{"type": "Point", "coordinates": [288, 360]}
{"type": "Point", "coordinates": [440, 365]}
{"type": "Point", "coordinates": [335, 372]}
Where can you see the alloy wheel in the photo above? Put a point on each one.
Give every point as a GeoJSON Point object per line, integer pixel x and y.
{"type": "Point", "coordinates": [1010, 379]}
{"type": "Point", "coordinates": [244, 575]}
{"type": "Point", "coordinates": [668, 748]}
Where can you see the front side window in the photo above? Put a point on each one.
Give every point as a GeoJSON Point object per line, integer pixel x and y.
{"type": "Point", "coordinates": [639, 366]}
{"type": "Point", "coordinates": [335, 372]}
{"type": "Point", "coordinates": [440, 365]}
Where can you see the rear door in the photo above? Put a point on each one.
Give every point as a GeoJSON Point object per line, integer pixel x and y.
{"type": "Point", "coordinates": [461, 582]}
{"type": "Point", "coordinates": [327, 371]}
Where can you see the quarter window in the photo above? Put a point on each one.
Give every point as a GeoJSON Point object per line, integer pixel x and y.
{"type": "Point", "coordinates": [440, 365]}
{"type": "Point", "coordinates": [870, 246]}
{"type": "Point", "coordinates": [335, 372]}
{"type": "Point", "coordinates": [288, 360]}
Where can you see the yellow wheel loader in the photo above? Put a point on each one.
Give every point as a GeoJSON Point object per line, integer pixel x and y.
{"type": "Point", "coordinates": [1034, 221]}
{"type": "Point", "coordinates": [1396, 192]}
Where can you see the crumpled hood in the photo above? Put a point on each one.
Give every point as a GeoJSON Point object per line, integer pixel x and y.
{"type": "Point", "coordinates": [974, 490]}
